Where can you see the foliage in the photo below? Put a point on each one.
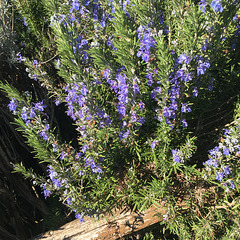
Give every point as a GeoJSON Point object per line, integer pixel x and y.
{"type": "Point", "coordinates": [134, 77]}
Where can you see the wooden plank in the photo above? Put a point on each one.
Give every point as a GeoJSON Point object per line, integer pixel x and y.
{"type": "Point", "coordinates": [106, 228]}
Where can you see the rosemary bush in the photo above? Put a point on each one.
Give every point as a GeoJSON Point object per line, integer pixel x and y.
{"type": "Point", "coordinates": [134, 77]}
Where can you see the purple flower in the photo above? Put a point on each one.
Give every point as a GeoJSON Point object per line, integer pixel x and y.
{"type": "Point", "coordinates": [205, 46]}
{"type": "Point", "coordinates": [161, 19]}
{"type": "Point", "coordinates": [153, 144]}
{"type": "Point", "coordinates": [47, 127]}
{"type": "Point", "coordinates": [215, 163]}
{"type": "Point", "coordinates": [153, 94]}
{"type": "Point", "coordinates": [177, 156]}
{"type": "Point", "coordinates": [57, 102]}
{"type": "Point", "coordinates": [141, 105]}
{"type": "Point", "coordinates": [32, 113]}
{"type": "Point", "coordinates": [227, 170]}
{"type": "Point", "coordinates": [202, 67]}
{"type": "Point", "coordinates": [97, 169]}
{"type": "Point", "coordinates": [226, 151]}
{"type": "Point", "coordinates": [63, 155]}
{"type": "Point", "coordinates": [25, 22]}
{"type": "Point", "coordinates": [216, 5]}
{"type": "Point", "coordinates": [80, 217]}
{"type": "Point", "coordinates": [209, 162]}
{"type": "Point", "coordinates": [53, 176]}
{"type": "Point", "coordinates": [195, 92]}
{"type": "Point", "coordinates": [232, 185]}
{"type": "Point", "coordinates": [136, 89]}
{"type": "Point", "coordinates": [146, 43]}
{"type": "Point", "coordinates": [150, 79]}
{"type": "Point", "coordinates": [86, 3]}
{"type": "Point", "coordinates": [219, 176]}
{"type": "Point", "coordinates": [184, 123]}
{"type": "Point", "coordinates": [203, 5]}
{"type": "Point", "coordinates": [24, 114]}
{"type": "Point", "coordinates": [226, 131]}
{"type": "Point", "coordinates": [124, 135]}
{"type": "Point", "coordinates": [35, 62]}
{"type": "Point", "coordinates": [84, 90]}
{"type": "Point", "coordinates": [121, 109]}
{"type": "Point", "coordinates": [39, 106]}
{"type": "Point", "coordinates": [185, 108]}
{"type": "Point", "coordinates": [20, 58]}
{"type": "Point", "coordinates": [75, 5]}
{"type": "Point", "coordinates": [167, 112]}
{"type": "Point", "coordinates": [12, 105]}
{"type": "Point", "coordinates": [44, 135]}
{"type": "Point", "coordinates": [183, 58]}
{"type": "Point", "coordinates": [46, 192]}
{"type": "Point", "coordinates": [84, 148]}
{"type": "Point", "coordinates": [69, 202]}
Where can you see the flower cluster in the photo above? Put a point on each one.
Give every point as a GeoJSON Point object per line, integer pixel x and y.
{"type": "Point", "coordinates": [147, 42]}
{"type": "Point", "coordinates": [130, 107]}
{"type": "Point", "coordinates": [29, 114]}
{"type": "Point", "coordinates": [219, 156]}
{"type": "Point", "coordinates": [80, 45]}
{"type": "Point", "coordinates": [177, 156]}
{"type": "Point", "coordinates": [82, 110]}
{"type": "Point", "coordinates": [215, 4]}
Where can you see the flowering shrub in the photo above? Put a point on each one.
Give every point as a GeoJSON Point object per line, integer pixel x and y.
{"type": "Point", "coordinates": [130, 75]}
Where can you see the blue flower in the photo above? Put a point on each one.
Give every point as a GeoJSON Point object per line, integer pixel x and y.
{"type": "Point", "coordinates": [25, 22]}
{"type": "Point", "coordinates": [124, 135]}
{"type": "Point", "coordinates": [75, 5]}
{"type": "Point", "coordinates": [203, 5]}
{"type": "Point", "coordinates": [80, 217]}
{"type": "Point", "coordinates": [185, 108]}
{"type": "Point", "coordinates": [161, 19]}
{"type": "Point", "coordinates": [53, 176]}
{"type": "Point", "coordinates": [195, 92]}
{"type": "Point", "coordinates": [46, 192]}
{"type": "Point", "coordinates": [12, 105]}
{"type": "Point", "coordinates": [44, 135]}
{"type": "Point", "coordinates": [184, 123]}
{"type": "Point", "coordinates": [62, 155]}
{"type": "Point", "coordinates": [226, 151]}
{"type": "Point", "coordinates": [183, 58]}
{"type": "Point", "coordinates": [20, 58]}
{"type": "Point", "coordinates": [219, 176]}
{"type": "Point", "coordinates": [39, 106]}
{"type": "Point", "coordinates": [177, 156]}
{"type": "Point", "coordinates": [146, 43]}
{"type": "Point", "coordinates": [232, 185]}
{"type": "Point", "coordinates": [202, 67]}
{"type": "Point", "coordinates": [87, 2]}
{"type": "Point", "coordinates": [69, 202]}
{"type": "Point", "coordinates": [227, 170]}
{"type": "Point", "coordinates": [153, 144]}
{"type": "Point", "coordinates": [32, 113]}
{"type": "Point", "coordinates": [24, 114]}
{"type": "Point", "coordinates": [150, 78]}
{"type": "Point", "coordinates": [216, 5]}
{"type": "Point", "coordinates": [35, 62]}
{"type": "Point", "coordinates": [121, 109]}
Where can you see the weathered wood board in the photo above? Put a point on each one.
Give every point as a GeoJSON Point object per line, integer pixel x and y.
{"type": "Point", "coordinates": [108, 228]}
